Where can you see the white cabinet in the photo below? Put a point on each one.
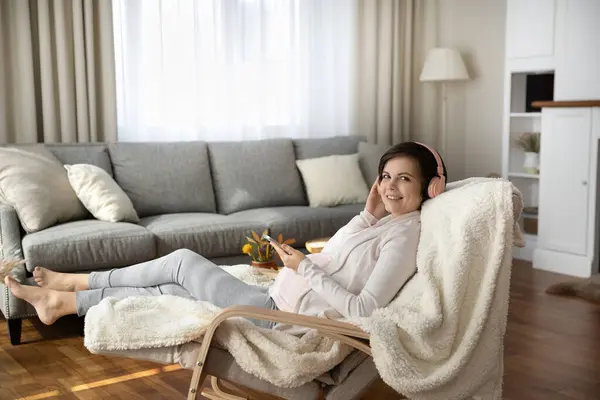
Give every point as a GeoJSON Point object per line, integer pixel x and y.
{"type": "Point", "coordinates": [567, 190]}
{"type": "Point", "coordinates": [564, 179]}
{"type": "Point", "coordinates": [530, 34]}
{"type": "Point", "coordinates": [577, 75]}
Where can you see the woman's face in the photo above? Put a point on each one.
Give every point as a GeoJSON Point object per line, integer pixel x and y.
{"type": "Point", "coordinates": [400, 186]}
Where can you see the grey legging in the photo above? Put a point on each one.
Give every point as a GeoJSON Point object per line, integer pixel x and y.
{"type": "Point", "coordinates": [180, 273]}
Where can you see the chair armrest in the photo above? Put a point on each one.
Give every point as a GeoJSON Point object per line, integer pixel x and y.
{"type": "Point", "coordinates": [10, 233]}
{"type": "Point", "coordinates": [342, 331]}
{"type": "Point", "coordinates": [321, 324]}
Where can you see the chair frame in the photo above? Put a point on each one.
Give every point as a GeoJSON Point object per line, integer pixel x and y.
{"type": "Point", "coordinates": [342, 331]}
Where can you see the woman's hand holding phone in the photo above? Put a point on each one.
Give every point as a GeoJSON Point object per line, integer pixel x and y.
{"type": "Point", "coordinates": [291, 257]}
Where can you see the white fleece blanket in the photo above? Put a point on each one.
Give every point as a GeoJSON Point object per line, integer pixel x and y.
{"type": "Point", "coordinates": [440, 338]}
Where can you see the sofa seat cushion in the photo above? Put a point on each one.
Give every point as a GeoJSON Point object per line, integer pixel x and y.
{"type": "Point", "coordinates": [88, 245]}
{"type": "Point", "coordinates": [302, 223]}
{"type": "Point", "coordinates": [211, 235]}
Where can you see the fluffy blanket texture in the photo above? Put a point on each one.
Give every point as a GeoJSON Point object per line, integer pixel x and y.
{"type": "Point", "coordinates": [440, 338]}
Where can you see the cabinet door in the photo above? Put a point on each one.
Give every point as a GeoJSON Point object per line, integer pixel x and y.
{"type": "Point", "coordinates": [530, 34]}
{"type": "Point", "coordinates": [564, 174]}
{"type": "Point", "coordinates": [577, 75]}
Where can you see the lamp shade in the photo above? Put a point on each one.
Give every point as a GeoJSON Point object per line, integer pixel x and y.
{"type": "Point", "coordinates": [443, 64]}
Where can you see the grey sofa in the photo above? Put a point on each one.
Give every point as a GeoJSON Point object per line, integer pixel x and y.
{"type": "Point", "coordinates": [198, 195]}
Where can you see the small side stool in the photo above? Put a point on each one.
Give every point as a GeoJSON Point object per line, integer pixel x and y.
{"type": "Point", "coordinates": [316, 245]}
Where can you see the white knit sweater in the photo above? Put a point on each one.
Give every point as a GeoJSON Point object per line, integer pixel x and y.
{"type": "Point", "coordinates": [361, 268]}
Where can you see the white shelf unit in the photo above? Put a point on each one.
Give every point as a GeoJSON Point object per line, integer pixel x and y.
{"type": "Point", "coordinates": [516, 127]}
{"type": "Point", "coordinates": [518, 120]}
{"type": "Point", "coordinates": [530, 49]}
{"type": "Point", "coordinates": [523, 175]}
{"type": "Point", "coordinates": [526, 115]}
{"type": "Point", "coordinates": [561, 37]}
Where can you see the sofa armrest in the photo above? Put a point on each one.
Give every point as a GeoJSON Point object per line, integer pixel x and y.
{"type": "Point", "coordinates": [10, 233]}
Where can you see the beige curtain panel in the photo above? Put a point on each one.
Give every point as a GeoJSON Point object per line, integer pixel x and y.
{"type": "Point", "coordinates": [392, 39]}
{"type": "Point", "coordinates": [57, 74]}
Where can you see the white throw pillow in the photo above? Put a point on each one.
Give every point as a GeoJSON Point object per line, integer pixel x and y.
{"type": "Point", "coordinates": [35, 184]}
{"type": "Point", "coordinates": [100, 194]}
{"type": "Point", "coordinates": [333, 180]}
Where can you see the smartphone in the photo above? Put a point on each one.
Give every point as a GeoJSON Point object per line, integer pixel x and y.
{"type": "Point", "coordinates": [274, 242]}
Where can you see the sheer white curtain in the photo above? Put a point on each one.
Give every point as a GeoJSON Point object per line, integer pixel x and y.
{"type": "Point", "coordinates": [233, 69]}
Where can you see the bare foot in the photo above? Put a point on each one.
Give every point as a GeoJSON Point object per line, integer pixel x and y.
{"type": "Point", "coordinates": [49, 304]}
{"type": "Point", "coordinates": [60, 281]}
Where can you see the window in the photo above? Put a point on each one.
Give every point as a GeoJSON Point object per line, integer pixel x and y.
{"type": "Point", "coordinates": [232, 69]}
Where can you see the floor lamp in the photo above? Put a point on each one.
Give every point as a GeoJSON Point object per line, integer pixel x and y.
{"type": "Point", "coordinates": [443, 65]}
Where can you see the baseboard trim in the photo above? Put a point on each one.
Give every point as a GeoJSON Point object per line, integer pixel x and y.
{"type": "Point", "coordinates": [562, 263]}
{"type": "Point", "coordinates": [523, 253]}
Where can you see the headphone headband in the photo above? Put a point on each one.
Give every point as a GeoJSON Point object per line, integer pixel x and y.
{"type": "Point", "coordinates": [438, 183]}
{"type": "Point", "coordinates": [440, 166]}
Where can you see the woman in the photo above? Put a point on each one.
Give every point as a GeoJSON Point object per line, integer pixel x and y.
{"type": "Point", "coordinates": [361, 268]}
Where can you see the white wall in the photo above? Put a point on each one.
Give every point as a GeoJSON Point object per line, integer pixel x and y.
{"type": "Point", "coordinates": [474, 126]}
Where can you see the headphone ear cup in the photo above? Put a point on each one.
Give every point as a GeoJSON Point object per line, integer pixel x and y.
{"type": "Point", "coordinates": [437, 185]}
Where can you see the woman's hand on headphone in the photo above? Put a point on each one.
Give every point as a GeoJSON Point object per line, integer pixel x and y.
{"type": "Point", "coordinates": [375, 204]}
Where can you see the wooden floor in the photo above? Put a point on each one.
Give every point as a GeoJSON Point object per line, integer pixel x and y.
{"type": "Point", "coordinates": [552, 351]}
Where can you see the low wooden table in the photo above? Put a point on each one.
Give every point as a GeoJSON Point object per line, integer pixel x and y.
{"type": "Point", "coordinates": [316, 245]}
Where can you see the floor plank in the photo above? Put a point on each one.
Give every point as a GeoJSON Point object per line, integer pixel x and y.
{"type": "Point", "coordinates": [552, 352]}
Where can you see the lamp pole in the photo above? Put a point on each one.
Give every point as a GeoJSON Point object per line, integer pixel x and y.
{"type": "Point", "coordinates": [443, 65]}
{"type": "Point", "coordinates": [444, 133]}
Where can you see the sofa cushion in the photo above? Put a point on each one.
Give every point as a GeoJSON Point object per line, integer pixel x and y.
{"type": "Point", "coordinates": [100, 194]}
{"type": "Point", "coordinates": [321, 147]}
{"type": "Point", "coordinates": [369, 155]}
{"type": "Point", "coordinates": [255, 173]}
{"type": "Point", "coordinates": [211, 235]}
{"type": "Point", "coordinates": [88, 245]}
{"type": "Point", "coordinates": [35, 184]}
{"type": "Point", "coordinates": [324, 188]}
{"type": "Point", "coordinates": [302, 223]}
{"type": "Point", "coordinates": [162, 178]}
{"type": "Point", "coordinates": [84, 153]}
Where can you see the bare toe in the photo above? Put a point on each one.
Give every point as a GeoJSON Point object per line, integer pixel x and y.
{"type": "Point", "coordinates": [52, 280]}
{"type": "Point", "coordinates": [49, 304]}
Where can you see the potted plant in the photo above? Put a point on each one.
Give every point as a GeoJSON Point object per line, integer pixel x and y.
{"type": "Point", "coordinates": [8, 265]}
{"type": "Point", "coordinates": [530, 143]}
{"type": "Point", "coordinates": [261, 251]}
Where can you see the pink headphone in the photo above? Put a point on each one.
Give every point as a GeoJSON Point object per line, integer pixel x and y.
{"type": "Point", "coordinates": [437, 185]}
